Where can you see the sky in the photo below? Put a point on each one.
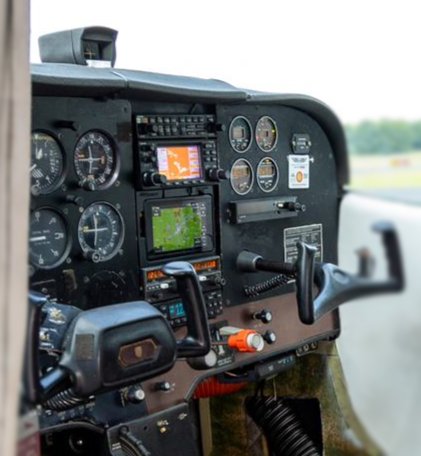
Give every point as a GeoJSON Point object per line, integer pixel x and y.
{"type": "Point", "coordinates": [360, 57]}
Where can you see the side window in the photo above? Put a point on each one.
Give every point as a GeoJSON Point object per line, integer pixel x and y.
{"type": "Point", "coordinates": [385, 159]}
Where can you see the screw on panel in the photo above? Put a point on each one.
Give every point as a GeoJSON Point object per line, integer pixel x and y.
{"type": "Point", "coordinates": [68, 260]}
{"type": "Point", "coordinates": [64, 188]}
{"type": "Point", "coordinates": [117, 183]}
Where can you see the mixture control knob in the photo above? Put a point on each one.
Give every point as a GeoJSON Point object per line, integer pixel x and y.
{"type": "Point", "coordinates": [265, 316]}
{"type": "Point", "coordinates": [153, 178]}
{"type": "Point", "coordinates": [269, 337]}
{"type": "Point", "coordinates": [217, 174]}
{"type": "Point", "coordinates": [163, 386]}
{"type": "Point", "coordinates": [135, 395]}
{"type": "Point", "coordinates": [246, 340]}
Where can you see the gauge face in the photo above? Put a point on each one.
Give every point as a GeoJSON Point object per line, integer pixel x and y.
{"type": "Point", "coordinates": [105, 288]}
{"type": "Point", "coordinates": [100, 232]}
{"type": "Point", "coordinates": [47, 163]}
{"type": "Point", "coordinates": [242, 177]}
{"type": "Point", "coordinates": [95, 161]}
{"type": "Point", "coordinates": [267, 175]}
{"type": "Point", "coordinates": [240, 134]}
{"type": "Point", "coordinates": [49, 242]}
{"type": "Point", "coordinates": [266, 134]}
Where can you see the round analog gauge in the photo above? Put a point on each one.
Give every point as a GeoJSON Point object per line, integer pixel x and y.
{"type": "Point", "coordinates": [240, 134]}
{"type": "Point", "coordinates": [105, 288]}
{"type": "Point", "coordinates": [267, 175]}
{"type": "Point", "coordinates": [47, 163]}
{"type": "Point", "coordinates": [242, 177]}
{"type": "Point", "coordinates": [49, 241]}
{"type": "Point", "coordinates": [266, 134]}
{"type": "Point", "coordinates": [100, 232]}
{"type": "Point", "coordinates": [95, 161]}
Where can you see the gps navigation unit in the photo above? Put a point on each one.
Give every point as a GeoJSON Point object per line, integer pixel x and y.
{"type": "Point", "coordinates": [175, 225]}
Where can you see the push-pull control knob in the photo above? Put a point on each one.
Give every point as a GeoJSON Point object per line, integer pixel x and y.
{"type": "Point", "coordinates": [269, 337]}
{"type": "Point", "coordinates": [265, 316]}
{"type": "Point", "coordinates": [217, 174]}
{"type": "Point", "coordinates": [243, 340]}
{"type": "Point", "coordinates": [153, 178]}
{"type": "Point", "coordinates": [163, 386]}
{"type": "Point", "coordinates": [295, 206]}
{"type": "Point", "coordinates": [135, 395]}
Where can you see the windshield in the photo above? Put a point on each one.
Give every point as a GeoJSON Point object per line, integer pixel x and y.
{"type": "Point", "coordinates": [296, 47]}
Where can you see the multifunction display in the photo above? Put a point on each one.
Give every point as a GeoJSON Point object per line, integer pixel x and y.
{"type": "Point", "coordinates": [179, 163]}
{"type": "Point", "coordinates": [180, 225]}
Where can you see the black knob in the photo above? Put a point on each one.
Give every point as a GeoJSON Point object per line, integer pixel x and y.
{"type": "Point", "coordinates": [269, 337]}
{"type": "Point", "coordinates": [153, 178]}
{"type": "Point", "coordinates": [217, 174]}
{"type": "Point", "coordinates": [163, 386]}
{"type": "Point", "coordinates": [296, 207]}
{"type": "Point", "coordinates": [148, 128]}
{"type": "Point", "coordinates": [265, 316]}
{"type": "Point", "coordinates": [78, 200]}
{"type": "Point", "coordinates": [135, 395]}
{"type": "Point", "coordinates": [220, 127]}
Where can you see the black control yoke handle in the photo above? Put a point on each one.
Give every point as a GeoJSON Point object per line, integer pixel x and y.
{"type": "Point", "coordinates": [197, 341]}
{"type": "Point", "coordinates": [335, 286]}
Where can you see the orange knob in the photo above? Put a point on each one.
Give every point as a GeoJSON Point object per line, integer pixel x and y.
{"type": "Point", "coordinates": [246, 340]}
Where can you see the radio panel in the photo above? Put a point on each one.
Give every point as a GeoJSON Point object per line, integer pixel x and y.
{"type": "Point", "coordinates": [174, 151]}
{"type": "Point", "coordinates": [158, 287]}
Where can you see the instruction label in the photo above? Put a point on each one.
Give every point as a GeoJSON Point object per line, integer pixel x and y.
{"type": "Point", "coordinates": [298, 171]}
{"type": "Point", "coordinates": [310, 234]}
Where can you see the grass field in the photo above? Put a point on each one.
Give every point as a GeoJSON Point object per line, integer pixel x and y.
{"type": "Point", "coordinates": [401, 171]}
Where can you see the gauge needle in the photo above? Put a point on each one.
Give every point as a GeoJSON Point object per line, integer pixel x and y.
{"type": "Point", "coordinates": [90, 162]}
{"type": "Point", "coordinates": [96, 230]}
{"type": "Point", "coordinates": [38, 154]}
{"type": "Point", "coordinates": [32, 167]}
{"type": "Point", "coordinates": [38, 239]}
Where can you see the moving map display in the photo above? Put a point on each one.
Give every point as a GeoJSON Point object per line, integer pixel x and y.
{"type": "Point", "coordinates": [179, 162]}
{"type": "Point", "coordinates": [181, 225]}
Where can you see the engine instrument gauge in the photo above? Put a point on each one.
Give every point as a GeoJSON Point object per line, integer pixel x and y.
{"type": "Point", "coordinates": [96, 161]}
{"type": "Point", "coordinates": [100, 232]}
{"type": "Point", "coordinates": [242, 176]}
{"type": "Point", "coordinates": [266, 134]}
{"type": "Point", "coordinates": [47, 163]}
{"type": "Point", "coordinates": [267, 175]}
{"type": "Point", "coordinates": [240, 134]}
{"type": "Point", "coordinates": [49, 240]}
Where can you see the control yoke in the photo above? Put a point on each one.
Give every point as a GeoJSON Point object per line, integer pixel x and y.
{"type": "Point", "coordinates": [335, 286]}
{"type": "Point", "coordinates": [110, 347]}
{"type": "Point", "coordinates": [197, 342]}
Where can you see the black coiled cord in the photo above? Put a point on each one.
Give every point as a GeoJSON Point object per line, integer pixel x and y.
{"type": "Point", "coordinates": [263, 287]}
{"type": "Point", "coordinates": [63, 401]}
{"type": "Point", "coordinates": [281, 427]}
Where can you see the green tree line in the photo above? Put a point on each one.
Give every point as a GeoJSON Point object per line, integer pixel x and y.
{"type": "Point", "coordinates": [383, 137]}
